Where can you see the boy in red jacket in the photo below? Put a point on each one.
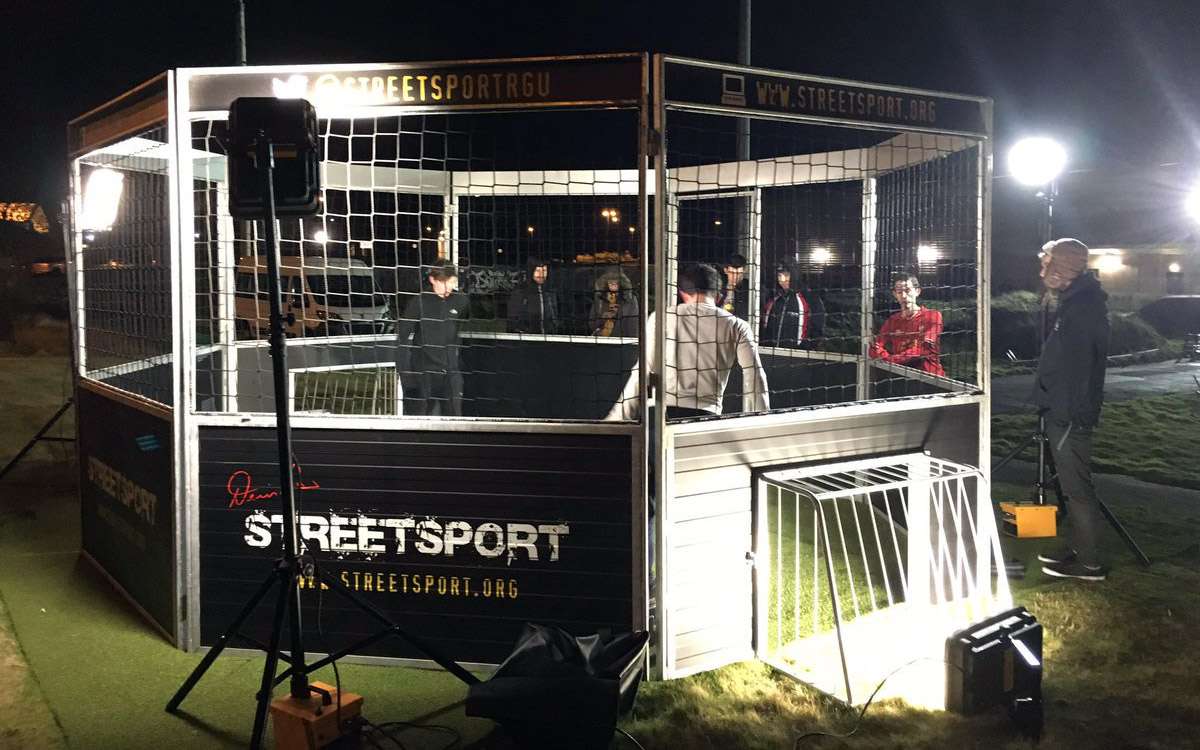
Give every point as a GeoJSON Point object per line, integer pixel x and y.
{"type": "Point", "coordinates": [910, 337]}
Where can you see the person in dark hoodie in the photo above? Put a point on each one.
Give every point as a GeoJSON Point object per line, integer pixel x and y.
{"type": "Point", "coordinates": [532, 307]}
{"type": "Point", "coordinates": [427, 346]}
{"type": "Point", "coordinates": [794, 317]}
{"type": "Point", "coordinates": [1068, 391]}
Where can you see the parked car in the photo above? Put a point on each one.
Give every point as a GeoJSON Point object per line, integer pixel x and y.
{"type": "Point", "coordinates": [324, 296]}
{"type": "Point", "coordinates": [1176, 315]}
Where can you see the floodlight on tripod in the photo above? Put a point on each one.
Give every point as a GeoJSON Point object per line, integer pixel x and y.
{"type": "Point", "coordinates": [1037, 162]}
{"type": "Point", "coordinates": [274, 171]}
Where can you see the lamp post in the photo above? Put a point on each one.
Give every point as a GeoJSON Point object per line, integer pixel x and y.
{"type": "Point", "coordinates": [1037, 162]}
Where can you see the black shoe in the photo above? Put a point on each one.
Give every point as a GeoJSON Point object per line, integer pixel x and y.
{"type": "Point", "coordinates": [1076, 569]}
{"type": "Point", "coordinates": [1058, 556]}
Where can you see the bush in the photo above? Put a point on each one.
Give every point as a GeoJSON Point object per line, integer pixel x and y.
{"type": "Point", "coordinates": [1015, 323]}
{"type": "Point", "coordinates": [1014, 318]}
{"type": "Point", "coordinates": [1132, 334]}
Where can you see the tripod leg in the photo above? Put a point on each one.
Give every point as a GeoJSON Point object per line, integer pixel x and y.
{"type": "Point", "coordinates": [264, 694]}
{"type": "Point", "coordinates": [268, 675]}
{"type": "Point", "coordinates": [220, 645]}
{"type": "Point", "coordinates": [444, 662]}
{"type": "Point", "coordinates": [34, 440]}
{"type": "Point", "coordinates": [1015, 452]}
{"type": "Point", "coordinates": [1125, 535]}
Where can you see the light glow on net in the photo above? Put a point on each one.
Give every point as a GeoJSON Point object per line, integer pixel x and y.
{"type": "Point", "coordinates": [101, 198]}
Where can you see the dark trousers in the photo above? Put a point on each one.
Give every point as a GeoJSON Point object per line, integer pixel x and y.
{"type": "Point", "coordinates": [433, 394]}
{"type": "Point", "coordinates": [1071, 447]}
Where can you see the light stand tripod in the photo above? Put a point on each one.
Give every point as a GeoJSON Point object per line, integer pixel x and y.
{"type": "Point", "coordinates": [292, 565]}
{"type": "Point", "coordinates": [1047, 472]}
{"type": "Point", "coordinates": [1047, 478]}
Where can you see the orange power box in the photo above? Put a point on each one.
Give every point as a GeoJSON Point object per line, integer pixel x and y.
{"type": "Point", "coordinates": [1028, 520]}
{"type": "Point", "coordinates": [309, 725]}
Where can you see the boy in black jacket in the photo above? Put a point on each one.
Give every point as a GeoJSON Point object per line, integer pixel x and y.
{"type": "Point", "coordinates": [532, 306]}
{"type": "Point", "coordinates": [427, 346]}
{"type": "Point", "coordinates": [1068, 391]}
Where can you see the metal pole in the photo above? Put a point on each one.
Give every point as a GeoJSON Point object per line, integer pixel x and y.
{"type": "Point", "coordinates": [1048, 196]}
{"type": "Point", "coordinates": [239, 31]}
{"type": "Point", "coordinates": [266, 162]}
{"type": "Point", "coordinates": [743, 222]}
{"type": "Point", "coordinates": [743, 53]}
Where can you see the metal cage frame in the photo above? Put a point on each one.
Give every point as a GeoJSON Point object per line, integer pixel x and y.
{"type": "Point", "coordinates": [168, 100]}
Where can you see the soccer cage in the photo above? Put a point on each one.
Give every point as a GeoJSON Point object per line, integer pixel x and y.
{"type": "Point", "coordinates": [475, 359]}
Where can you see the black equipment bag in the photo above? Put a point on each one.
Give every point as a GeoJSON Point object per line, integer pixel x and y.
{"type": "Point", "coordinates": [559, 691]}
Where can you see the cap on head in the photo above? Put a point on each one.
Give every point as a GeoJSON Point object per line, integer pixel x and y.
{"type": "Point", "coordinates": [1068, 257]}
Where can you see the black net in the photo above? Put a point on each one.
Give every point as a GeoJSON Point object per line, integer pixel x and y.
{"type": "Point", "coordinates": [460, 266]}
{"type": "Point", "coordinates": [851, 256]}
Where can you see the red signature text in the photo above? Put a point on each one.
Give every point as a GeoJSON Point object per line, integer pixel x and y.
{"type": "Point", "coordinates": [242, 490]}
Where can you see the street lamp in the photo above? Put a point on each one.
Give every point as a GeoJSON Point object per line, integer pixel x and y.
{"type": "Point", "coordinates": [1037, 162]}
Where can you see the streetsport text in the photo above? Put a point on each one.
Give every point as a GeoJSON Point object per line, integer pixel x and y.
{"type": "Point", "coordinates": [371, 535]}
{"type": "Point", "coordinates": [423, 583]}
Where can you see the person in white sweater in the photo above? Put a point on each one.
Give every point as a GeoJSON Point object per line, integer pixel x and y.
{"type": "Point", "coordinates": [704, 342]}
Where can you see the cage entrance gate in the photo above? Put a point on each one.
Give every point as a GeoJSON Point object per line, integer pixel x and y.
{"type": "Point", "coordinates": [864, 567]}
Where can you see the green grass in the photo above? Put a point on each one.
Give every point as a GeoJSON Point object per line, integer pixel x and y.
{"type": "Point", "coordinates": [786, 621]}
{"type": "Point", "coordinates": [1156, 439]}
{"type": "Point", "coordinates": [1120, 665]}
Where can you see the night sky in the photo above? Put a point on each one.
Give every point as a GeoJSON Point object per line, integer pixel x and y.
{"type": "Point", "coordinates": [1115, 81]}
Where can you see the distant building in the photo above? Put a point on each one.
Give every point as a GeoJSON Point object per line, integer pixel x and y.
{"type": "Point", "coordinates": [29, 214]}
{"type": "Point", "coordinates": [1149, 271]}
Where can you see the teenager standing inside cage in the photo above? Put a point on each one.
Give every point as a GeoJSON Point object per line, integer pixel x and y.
{"type": "Point", "coordinates": [1069, 391]}
{"type": "Point", "coordinates": [427, 346]}
{"type": "Point", "coordinates": [704, 342]}
{"type": "Point", "coordinates": [614, 305]}
{"type": "Point", "coordinates": [794, 317]}
{"type": "Point", "coordinates": [532, 307]}
{"type": "Point", "coordinates": [911, 337]}
{"type": "Point", "coordinates": [736, 296]}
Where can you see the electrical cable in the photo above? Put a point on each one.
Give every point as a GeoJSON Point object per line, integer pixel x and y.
{"type": "Point", "coordinates": [386, 727]}
{"type": "Point", "coordinates": [863, 711]}
{"type": "Point", "coordinates": [630, 737]}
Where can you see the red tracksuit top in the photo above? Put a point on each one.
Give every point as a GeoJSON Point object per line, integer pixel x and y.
{"type": "Point", "coordinates": [913, 342]}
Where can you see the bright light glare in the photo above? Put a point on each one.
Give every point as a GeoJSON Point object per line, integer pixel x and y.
{"type": "Point", "coordinates": [821, 256]}
{"type": "Point", "coordinates": [321, 236]}
{"type": "Point", "coordinates": [1175, 268]}
{"type": "Point", "coordinates": [101, 197]}
{"type": "Point", "coordinates": [1036, 161]}
{"type": "Point", "coordinates": [1110, 263]}
{"type": "Point", "coordinates": [1192, 203]}
{"type": "Point", "coordinates": [927, 254]}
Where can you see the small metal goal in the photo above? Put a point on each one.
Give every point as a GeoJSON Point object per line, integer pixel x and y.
{"type": "Point", "coordinates": [865, 567]}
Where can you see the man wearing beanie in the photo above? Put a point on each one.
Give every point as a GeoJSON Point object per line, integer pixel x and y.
{"type": "Point", "coordinates": [1068, 391]}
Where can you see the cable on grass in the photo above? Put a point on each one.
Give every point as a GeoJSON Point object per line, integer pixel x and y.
{"type": "Point", "coordinates": [863, 712]}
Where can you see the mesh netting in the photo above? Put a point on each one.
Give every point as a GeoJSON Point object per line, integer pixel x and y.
{"type": "Point", "coordinates": [122, 253]}
{"type": "Point", "coordinates": [459, 267]}
{"type": "Point", "coordinates": [850, 254]}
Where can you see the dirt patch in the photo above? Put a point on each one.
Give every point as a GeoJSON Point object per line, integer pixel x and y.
{"type": "Point", "coordinates": [26, 720]}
